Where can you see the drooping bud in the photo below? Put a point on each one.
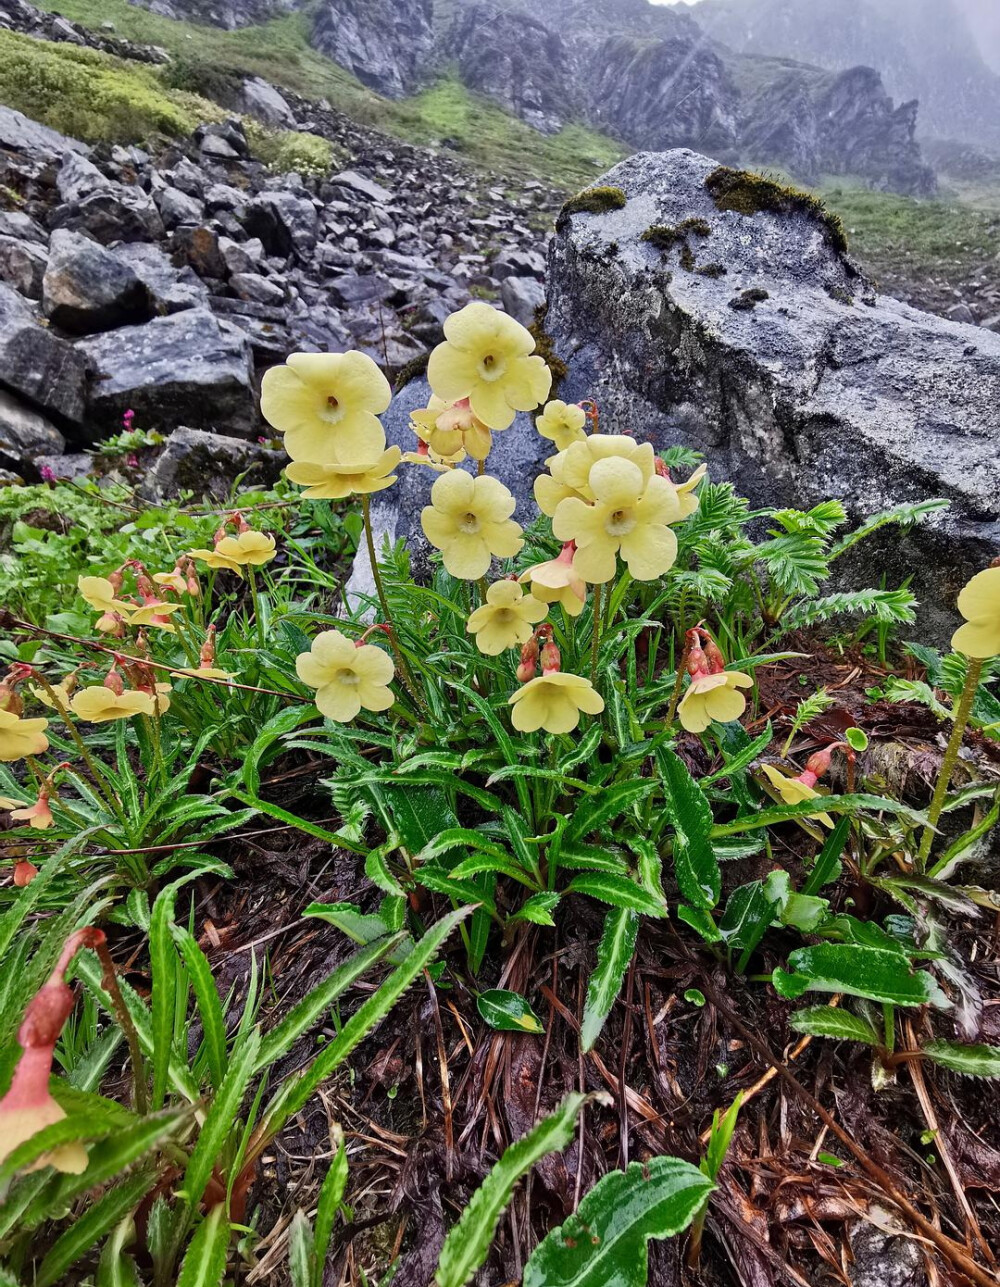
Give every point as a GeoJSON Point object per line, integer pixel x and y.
{"type": "Point", "coordinates": [113, 681]}
{"type": "Point", "coordinates": [529, 661]}
{"type": "Point", "coordinates": [662, 470]}
{"type": "Point", "coordinates": [697, 662]}
{"type": "Point", "coordinates": [716, 661]}
{"type": "Point", "coordinates": [206, 656]}
{"type": "Point", "coordinates": [550, 658]}
{"type": "Point", "coordinates": [24, 873]}
{"type": "Point", "coordinates": [116, 578]}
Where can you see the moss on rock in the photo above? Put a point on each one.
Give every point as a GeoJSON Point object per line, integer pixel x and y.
{"type": "Point", "coordinates": [749, 194]}
{"type": "Point", "coordinates": [545, 348]}
{"type": "Point", "coordinates": [748, 300]}
{"type": "Point", "coordinates": [591, 201]}
{"type": "Point", "coordinates": [413, 370]}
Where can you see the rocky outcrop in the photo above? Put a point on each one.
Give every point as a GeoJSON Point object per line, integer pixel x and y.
{"type": "Point", "coordinates": [780, 363]}
{"type": "Point", "coordinates": [229, 14]}
{"type": "Point", "coordinates": [385, 43]}
{"type": "Point", "coordinates": [165, 282]}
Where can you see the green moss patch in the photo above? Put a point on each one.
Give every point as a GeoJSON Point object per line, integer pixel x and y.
{"type": "Point", "coordinates": [545, 348]}
{"type": "Point", "coordinates": [591, 201]}
{"type": "Point", "coordinates": [93, 96]}
{"type": "Point", "coordinates": [749, 194]}
{"type": "Point", "coordinates": [665, 236]}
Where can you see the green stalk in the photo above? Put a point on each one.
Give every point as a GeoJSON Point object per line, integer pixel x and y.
{"type": "Point", "coordinates": [678, 684]}
{"type": "Point", "coordinates": [595, 633]}
{"type": "Point", "coordinates": [258, 620]}
{"type": "Point", "coordinates": [404, 669]}
{"type": "Point", "coordinates": [961, 719]}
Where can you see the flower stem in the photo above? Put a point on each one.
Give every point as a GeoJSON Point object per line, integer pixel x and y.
{"type": "Point", "coordinates": [962, 711]}
{"type": "Point", "coordinates": [110, 981]}
{"type": "Point", "coordinates": [404, 669]}
{"type": "Point", "coordinates": [678, 684]}
{"type": "Point", "coordinates": [258, 620]}
{"type": "Point", "coordinates": [595, 637]}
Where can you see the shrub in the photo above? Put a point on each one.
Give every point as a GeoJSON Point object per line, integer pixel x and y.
{"type": "Point", "coordinates": [284, 150]}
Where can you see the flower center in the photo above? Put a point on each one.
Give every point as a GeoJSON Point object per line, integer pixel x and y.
{"type": "Point", "coordinates": [348, 678]}
{"type": "Point", "coordinates": [620, 522]}
{"type": "Point", "coordinates": [468, 524]}
{"type": "Point", "coordinates": [331, 411]}
{"type": "Point", "coordinates": [491, 367]}
{"type": "Point", "coordinates": [503, 617]}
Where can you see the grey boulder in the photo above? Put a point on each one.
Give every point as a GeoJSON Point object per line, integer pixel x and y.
{"type": "Point", "coordinates": [190, 368]}
{"type": "Point", "coordinates": [522, 297]}
{"type": "Point", "coordinates": [171, 289]}
{"type": "Point", "coordinates": [86, 288]}
{"type": "Point", "coordinates": [283, 222]}
{"type": "Point", "coordinates": [207, 463]}
{"type": "Point", "coordinates": [24, 436]}
{"type": "Point", "coordinates": [22, 265]}
{"type": "Point", "coordinates": [811, 387]}
{"type": "Point", "coordinates": [261, 99]}
{"type": "Point", "coordinates": [44, 370]}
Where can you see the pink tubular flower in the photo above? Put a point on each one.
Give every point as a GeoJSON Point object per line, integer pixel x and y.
{"type": "Point", "coordinates": [28, 1106]}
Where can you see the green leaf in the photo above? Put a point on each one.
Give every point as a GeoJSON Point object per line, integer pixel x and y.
{"type": "Point", "coordinates": [827, 866]}
{"type": "Point", "coordinates": [832, 1021]}
{"type": "Point", "coordinates": [508, 1011]}
{"type": "Point", "coordinates": [604, 1243]}
{"type": "Point", "coordinates": [301, 1251]}
{"type": "Point", "coordinates": [826, 804]}
{"type": "Point", "coordinates": [700, 921]}
{"type": "Point", "coordinates": [286, 721]}
{"type": "Point", "coordinates": [415, 814]}
{"type": "Point", "coordinates": [875, 973]}
{"type": "Point", "coordinates": [971, 1061]}
{"type": "Point", "coordinates": [694, 997]}
{"type": "Point", "coordinates": [538, 908]}
{"type": "Point", "coordinates": [468, 1242]}
{"type": "Point", "coordinates": [205, 1262]}
{"type": "Point", "coordinates": [619, 891]}
{"type": "Point", "coordinates": [614, 954]}
{"type": "Point", "coordinates": [315, 1004]}
{"type": "Point", "coordinates": [744, 757]}
{"type": "Point", "coordinates": [359, 926]}
{"type": "Point", "coordinates": [115, 1268]}
{"type": "Point", "coordinates": [213, 1021]}
{"type": "Point", "coordinates": [69, 1130]}
{"type": "Point", "coordinates": [593, 812]}
{"type": "Point", "coordinates": [695, 864]}
{"type": "Point", "coordinates": [720, 1138]}
{"type": "Point", "coordinates": [745, 921]}
{"type": "Point", "coordinates": [331, 1197]}
{"type": "Point", "coordinates": [112, 1155]}
{"type": "Point", "coordinates": [88, 1229]}
{"type": "Point", "coordinates": [220, 1119]}
{"type": "Point", "coordinates": [163, 998]}
{"type": "Point", "coordinates": [298, 1089]}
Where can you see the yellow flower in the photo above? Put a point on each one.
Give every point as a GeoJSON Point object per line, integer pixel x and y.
{"type": "Point", "coordinates": [569, 471]}
{"type": "Point", "coordinates": [19, 1122]}
{"type": "Point", "coordinates": [63, 691]}
{"type": "Point", "coordinates": [327, 406]}
{"type": "Point", "coordinates": [202, 672]}
{"type": "Point", "coordinates": [562, 423]}
{"type": "Point", "coordinates": [162, 700]}
{"type": "Point", "coordinates": [713, 697]}
{"type": "Point", "coordinates": [505, 619]}
{"type": "Point", "coordinates": [792, 791]}
{"type": "Point", "coordinates": [331, 482]}
{"type": "Point", "coordinates": [234, 552]}
{"type": "Point", "coordinates": [100, 594]}
{"type": "Point", "coordinates": [21, 737]}
{"type": "Point", "coordinates": [99, 704]}
{"type": "Point", "coordinates": [347, 676]}
{"type": "Point", "coordinates": [979, 604]}
{"type": "Point", "coordinates": [174, 580]}
{"type": "Point", "coordinates": [469, 521]}
{"type": "Point", "coordinates": [554, 702]}
{"type": "Point", "coordinates": [557, 582]}
{"type": "Point", "coordinates": [37, 815]}
{"type": "Point", "coordinates": [685, 492]}
{"type": "Point", "coordinates": [629, 514]}
{"type": "Point", "coordinates": [451, 429]}
{"type": "Point", "coordinates": [156, 614]}
{"type": "Point", "coordinates": [485, 358]}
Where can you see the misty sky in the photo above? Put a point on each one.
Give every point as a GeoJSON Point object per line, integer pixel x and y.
{"type": "Point", "coordinates": [983, 17]}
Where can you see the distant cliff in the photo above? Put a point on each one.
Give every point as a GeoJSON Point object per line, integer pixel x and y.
{"type": "Point", "coordinates": [649, 75]}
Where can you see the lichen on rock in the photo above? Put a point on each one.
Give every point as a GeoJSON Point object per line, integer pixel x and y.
{"type": "Point", "coordinates": [591, 201]}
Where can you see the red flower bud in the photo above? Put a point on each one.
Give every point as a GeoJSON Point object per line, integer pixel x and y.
{"type": "Point", "coordinates": [551, 658]}
{"type": "Point", "coordinates": [113, 681]}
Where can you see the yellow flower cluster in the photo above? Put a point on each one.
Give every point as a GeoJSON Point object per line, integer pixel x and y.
{"type": "Point", "coordinates": [604, 494]}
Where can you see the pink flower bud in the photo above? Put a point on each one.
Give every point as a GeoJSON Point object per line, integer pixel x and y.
{"type": "Point", "coordinates": [24, 873]}
{"type": "Point", "coordinates": [113, 681]}
{"type": "Point", "coordinates": [551, 658]}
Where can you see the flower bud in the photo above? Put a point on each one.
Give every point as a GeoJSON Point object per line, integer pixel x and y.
{"type": "Point", "coordinates": [113, 681]}
{"type": "Point", "coordinates": [47, 1011]}
{"type": "Point", "coordinates": [529, 661]}
{"type": "Point", "coordinates": [716, 661]}
{"type": "Point", "coordinates": [207, 655]}
{"type": "Point", "coordinates": [9, 699]}
{"type": "Point", "coordinates": [551, 658]}
{"type": "Point", "coordinates": [24, 873]}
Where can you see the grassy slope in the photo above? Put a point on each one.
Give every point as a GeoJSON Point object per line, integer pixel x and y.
{"type": "Point", "coordinates": [905, 239]}
{"type": "Point", "coordinates": [280, 51]}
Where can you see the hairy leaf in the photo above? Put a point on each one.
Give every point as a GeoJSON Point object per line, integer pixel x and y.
{"type": "Point", "coordinates": [614, 954]}
{"type": "Point", "coordinates": [832, 1021]}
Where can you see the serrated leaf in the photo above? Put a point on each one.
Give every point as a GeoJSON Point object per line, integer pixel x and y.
{"type": "Point", "coordinates": [749, 912]}
{"type": "Point", "coordinates": [971, 1061]}
{"type": "Point", "coordinates": [595, 811]}
{"type": "Point", "coordinates": [331, 1197]}
{"type": "Point", "coordinates": [832, 1021]}
{"type": "Point", "coordinates": [619, 891]}
{"type": "Point", "coordinates": [205, 1262]}
{"type": "Point", "coordinates": [614, 954]}
{"type": "Point", "coordinates": [301, 1251]}
{"type": "Point", "coordinates": [220, 1119]}
{"type": "Point", "coordinates": [605, 1243]}
{"type": "Point", "coordinates": [695, 864]}
{"type": "Point", "coordinates": [115, 1268]}
{"type": "Point", "coordinates": [508, 1011]}
{"type": "Point", "coordinates": [538, 908]}
{"type": "Point", "coordinates": [96, 1221]}
{"type": "Point", "coordinates": [874, 973]}
{"type": "Point", "coordinates": [468, 1242]}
